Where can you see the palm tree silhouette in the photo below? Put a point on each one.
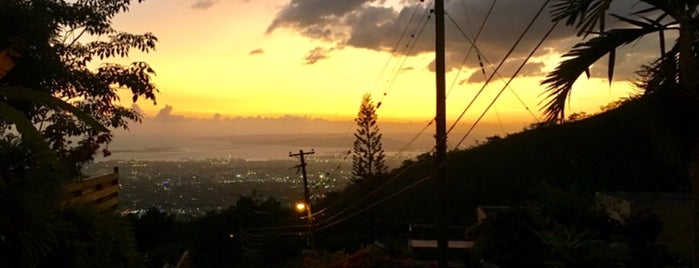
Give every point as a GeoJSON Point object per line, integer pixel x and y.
{"type": "Point", "coordinates": [674, 70]}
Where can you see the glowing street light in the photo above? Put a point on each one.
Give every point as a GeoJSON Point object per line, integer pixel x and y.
{"type": "Point", "coordinates": [304, 207]}
{"type": "Point", "coordinates": [306, 204]}
{"type": "Point", "coordinates": [300, 207]}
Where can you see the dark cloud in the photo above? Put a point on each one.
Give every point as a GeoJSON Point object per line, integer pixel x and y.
{"type": "Point", "coordinates": [257, 51]}
{"type": "Point", "coordinates": [317, 54]}
{"type": "Point", "coordinates": [314, 16]}
{"type": "Point", "coordinates": [203, 4]}
{"type": "Point", "coordinates": [371, 27]}
{"type": "Point", "coordinates": [376, 26]}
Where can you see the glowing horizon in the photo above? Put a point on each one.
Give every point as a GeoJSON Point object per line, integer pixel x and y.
{"type": "Point", "coordinates": [218, 58]}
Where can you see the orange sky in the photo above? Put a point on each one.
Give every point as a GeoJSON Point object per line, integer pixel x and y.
{"type": "Point", "coordinates": [225, 57]}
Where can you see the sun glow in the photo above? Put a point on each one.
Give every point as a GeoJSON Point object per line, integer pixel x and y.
{"type": "Point", "coordinates": [221, 61]}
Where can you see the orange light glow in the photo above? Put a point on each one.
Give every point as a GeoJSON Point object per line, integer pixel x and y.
{"type": "Point", "coordinates": [300, 207]}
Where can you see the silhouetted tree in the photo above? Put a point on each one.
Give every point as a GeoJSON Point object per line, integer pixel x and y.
{"type": "Point", "coordinates": [368, 156]}
{"type": "Point", "coordinates": [674, 68]}
{"type": "Point", "coordinates": [52, 103]}
{"type": "Point", "coordinates": [671, 79]}
{"type": "Point", "coordinates": [48, 46]}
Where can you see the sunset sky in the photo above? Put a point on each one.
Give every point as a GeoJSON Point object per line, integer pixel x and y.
{"type": "Point", "coordinates": [312, 58]}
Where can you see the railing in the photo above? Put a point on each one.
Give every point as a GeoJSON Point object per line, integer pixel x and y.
{"type": "Point", "coordinates": [430, 230]}
{"type": "Point", "coordinates": [102, 191]}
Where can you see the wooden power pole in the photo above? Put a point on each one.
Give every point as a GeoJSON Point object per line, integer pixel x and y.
{"type": "Point", "coordinates": [441, 136]}
{"type": "Point", "coordinates": [306, 195]}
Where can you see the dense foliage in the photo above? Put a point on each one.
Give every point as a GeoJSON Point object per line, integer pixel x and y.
{"type": "Point", "coordinates": [55, 101]}
{"type": "Point", "coordinates": [61, 48]}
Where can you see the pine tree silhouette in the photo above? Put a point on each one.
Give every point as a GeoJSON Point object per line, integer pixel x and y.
{"type": "Point", "coordinates": [368, 156]}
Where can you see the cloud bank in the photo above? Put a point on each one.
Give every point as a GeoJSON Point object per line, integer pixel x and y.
{"type": "Point", "coordinates": [378, 24]}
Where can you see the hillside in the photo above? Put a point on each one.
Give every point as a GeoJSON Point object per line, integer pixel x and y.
{"type": "Point", "coordinates": [624, 149]}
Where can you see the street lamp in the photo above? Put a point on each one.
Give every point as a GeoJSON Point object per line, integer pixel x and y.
{"type": "Point", "coordinates": [306, 196]}
{"type": "Point", "coordinates": [301, 207]}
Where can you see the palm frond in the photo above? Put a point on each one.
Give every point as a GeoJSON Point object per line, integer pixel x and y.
{"type": "Point", "coordinates": [661, 73]}
{"type": "Point", "coordinates": [560, 81]}
{"type": "Point", "coordinates": [671, 7]}
{"type": "Point", "coordinates": [646, 23]}
{"type": "Point", "coordinates": [585, 15]}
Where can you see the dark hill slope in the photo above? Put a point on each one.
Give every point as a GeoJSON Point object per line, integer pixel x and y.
{"type": "Point", "coordinates": [614, 151]}
{"type": "Point", "coordinates": [620, 150]}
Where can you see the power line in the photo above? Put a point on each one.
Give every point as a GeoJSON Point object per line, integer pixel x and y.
{"type": "Point", "coordinates": [366, 196]}
{"type": "Point", "coordinates": [495, 71]}
{"type": "Point", "coordinates": [328, 225]}
{"type": "Point", "coordinates": [395, 47]}
{"type": "Point", "coordinates": [473, 44]}
{"type": "Point", "coordinates": [507, 55]}
{"type": "Point", "coordinates": [508, 82]}
{"type": "Point", "coordinates": [409, 143]}
{"type": "Point", "coordinates": [404, 148]}
{"type": "Point", "coordinates": [393, 53]}
{"type": "Point", "coordinates": [339, 213]}
{"type": "Point", "coordinates": [410, 46]}
{"type": "Point", "coordinates": [323, 223]}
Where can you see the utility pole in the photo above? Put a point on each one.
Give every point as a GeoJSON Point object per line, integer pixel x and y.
{"type": "Point", "coordinates": [306, 196]}
{"type": "Point", "coordinates": [441, 136]}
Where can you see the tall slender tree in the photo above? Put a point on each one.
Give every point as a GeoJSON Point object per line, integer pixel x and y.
{"type": "Point", "coordinates": [368, 157]}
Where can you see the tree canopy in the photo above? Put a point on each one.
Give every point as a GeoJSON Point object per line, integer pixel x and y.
{"type": "Point", "coordinates": [63, 49]}
{"type": "Point", "coordinates": [58, 97]}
